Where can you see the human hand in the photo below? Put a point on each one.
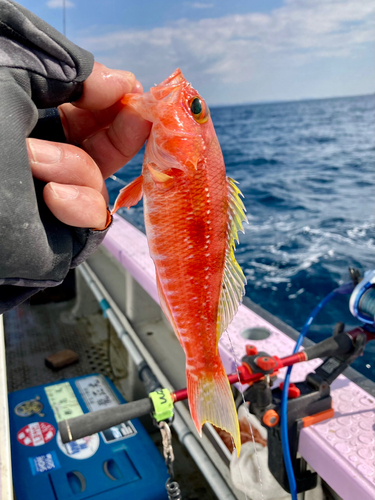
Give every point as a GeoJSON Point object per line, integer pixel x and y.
{"type": "Point", "coordinates": [108, 134]}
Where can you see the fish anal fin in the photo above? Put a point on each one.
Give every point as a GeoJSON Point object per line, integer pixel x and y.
{"type": "Point", "coordinates": [211, 400]}
{"type": "Point", "coordinates": [130, 195]}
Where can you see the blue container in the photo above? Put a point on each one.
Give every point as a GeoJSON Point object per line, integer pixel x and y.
{"type": "Point", "coordinates": [119, 463]}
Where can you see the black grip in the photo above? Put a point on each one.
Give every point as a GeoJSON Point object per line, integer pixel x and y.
{"type": "Point", "coordinates": [97, 421]}
{"type": "Point", "coordinates": [148, 378]}
{"type": "Point", "coordinates": [338, 344]}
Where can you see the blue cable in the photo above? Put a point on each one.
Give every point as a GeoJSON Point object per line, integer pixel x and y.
{"type": "Point", "coordinates": [343, 289]}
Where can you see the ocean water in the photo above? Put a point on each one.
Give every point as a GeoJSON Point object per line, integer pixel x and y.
{"type": "Point", "coordinates": [306, 170]}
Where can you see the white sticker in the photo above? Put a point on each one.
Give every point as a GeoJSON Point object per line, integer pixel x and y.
{"type": "Point", "coordinates": [80, 449]}
{"type": "Point", "coordinates": [96, 393]}
{"type": "Point", "coordinates": [118, 432]}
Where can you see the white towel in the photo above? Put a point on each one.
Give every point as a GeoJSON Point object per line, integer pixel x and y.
{"type": "Point", "coordinates": [245, 470]}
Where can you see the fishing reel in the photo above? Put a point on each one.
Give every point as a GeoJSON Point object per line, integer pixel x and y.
{"type": "Point", "coordinates": [362, 299]}
{"type": "Point", "coordinates": [309, 401]}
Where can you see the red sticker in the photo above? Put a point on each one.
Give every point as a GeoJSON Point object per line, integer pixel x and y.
{"type": "Point", "coordinates": [36, 434]}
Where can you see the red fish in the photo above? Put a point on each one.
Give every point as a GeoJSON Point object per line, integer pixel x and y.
{"type": "Point", "coordinates": [193, 213]}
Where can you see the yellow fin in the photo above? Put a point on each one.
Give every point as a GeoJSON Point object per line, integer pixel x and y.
{"type": "Point", "coordinates": [158, 176]}
{"type": "Point", "coordinates": [233, 284]}
{"type": "Point", "coordinates": [211, 400]}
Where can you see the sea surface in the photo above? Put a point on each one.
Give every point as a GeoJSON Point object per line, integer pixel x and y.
{"type": "Point", "coordinates": [306, 170]}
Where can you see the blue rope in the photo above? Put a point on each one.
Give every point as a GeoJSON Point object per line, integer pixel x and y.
{"type": "Point", "coordinates": [343, 289]}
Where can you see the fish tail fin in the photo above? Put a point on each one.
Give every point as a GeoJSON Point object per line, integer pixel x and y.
{"type": "Point", "coordinates": [211, 400]}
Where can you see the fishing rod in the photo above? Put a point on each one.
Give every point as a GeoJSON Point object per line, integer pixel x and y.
{"type": "Point", "coordinates": [256, 366]}
{"type": "Point", "coordinates": [160, 402]}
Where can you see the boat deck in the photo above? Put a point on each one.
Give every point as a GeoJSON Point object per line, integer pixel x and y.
{"type": "Point", "coordinates": [33, 332]}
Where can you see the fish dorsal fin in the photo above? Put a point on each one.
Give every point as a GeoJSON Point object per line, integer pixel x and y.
{"type": "Point", "coordinates": [130, 195]}
{"type": "Point", "coordinates": [233, 284]}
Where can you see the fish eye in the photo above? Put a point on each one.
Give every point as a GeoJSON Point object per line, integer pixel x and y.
{"type": "Point", "coordinates": [199, 110]}
{"type": "Point", "coordinates": [196, 106]}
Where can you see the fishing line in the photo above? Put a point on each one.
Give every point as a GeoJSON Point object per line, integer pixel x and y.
{"type": "Point", "coordinates": [243, 482]}
{"type": "Point", "coordinates": [248, 418]}
{"type": "Point", "coordinates": [117, 179]}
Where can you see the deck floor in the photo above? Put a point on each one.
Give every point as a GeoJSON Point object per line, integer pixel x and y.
{"type": "Point", "coordinates": [33, 332]}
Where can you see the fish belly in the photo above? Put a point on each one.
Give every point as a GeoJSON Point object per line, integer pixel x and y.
{"type": "Point", "coordinates": [188, 245]}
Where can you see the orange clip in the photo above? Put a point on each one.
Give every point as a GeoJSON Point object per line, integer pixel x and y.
{"type": "Point", "coordinates": [318, 417]}
{"type": "Point", "coordinates": [271, 418]}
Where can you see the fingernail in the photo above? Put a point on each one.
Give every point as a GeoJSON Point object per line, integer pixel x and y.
{"type": "Point", "coordinates": [137, 89]}
{"type": "Point", "coordinates": [62, 192]}
{"type": "Point", "coordinates": [130, 76]}
{"type": "Point", "coordinates": [44, 152]}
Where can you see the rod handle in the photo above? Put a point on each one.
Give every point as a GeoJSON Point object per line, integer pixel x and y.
{"type": "Point", "coordinates": [97, 421]}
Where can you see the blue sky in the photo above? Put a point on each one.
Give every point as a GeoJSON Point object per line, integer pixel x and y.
{"type": "Point", "coordinates": [232, 51]}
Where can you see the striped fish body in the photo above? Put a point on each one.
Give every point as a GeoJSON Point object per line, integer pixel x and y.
{"type": "Point", "coordinates": [192, 215]}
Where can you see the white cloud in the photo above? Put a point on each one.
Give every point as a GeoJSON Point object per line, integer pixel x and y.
{"type": "Point", "coordinates": [58, 4]}
{"type": "Point", "coordinates": [250, 48]}
{"type": "Point", "coordinates": [199, 5]}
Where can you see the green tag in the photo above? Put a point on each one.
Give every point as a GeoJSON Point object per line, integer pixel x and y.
{"type": "Point", "coordinates": [63, 401]}
{"type": "Point", "coordinates": [163, 404]}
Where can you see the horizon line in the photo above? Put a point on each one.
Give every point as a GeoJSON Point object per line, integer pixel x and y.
{"type": "Point", "coordinates": [281, 101]}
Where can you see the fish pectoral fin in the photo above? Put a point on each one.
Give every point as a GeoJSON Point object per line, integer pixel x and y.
{"type": "Point", "coordinates": [211, 400]}
{"type": "Point", "coordinates": [160, 177]}
{"type": "Point", "coordinates": [130, 195]}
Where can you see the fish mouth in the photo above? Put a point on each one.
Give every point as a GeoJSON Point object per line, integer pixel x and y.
{"type": "Point", "coordinates": [174, 79]}
{"type": "Point", "coordinates": [169, 89]}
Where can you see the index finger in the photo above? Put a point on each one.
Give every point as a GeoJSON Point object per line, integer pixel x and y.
{"type": "Point", "coordinates": [112, 147]}
{"type": "Point", "coordinates": [104, 87]}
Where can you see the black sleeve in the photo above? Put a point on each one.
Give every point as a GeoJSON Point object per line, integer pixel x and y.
{"type": "Point", "coordinates": [39, 69]}
{"type": "Point", "coordinates": [48, 126]}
